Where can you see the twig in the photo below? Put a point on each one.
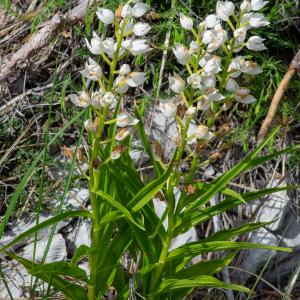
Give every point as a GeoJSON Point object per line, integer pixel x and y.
{"type": "Point", "coordinates": [42, 37]}
{"type": "Point", "coordinates": [293, 69]}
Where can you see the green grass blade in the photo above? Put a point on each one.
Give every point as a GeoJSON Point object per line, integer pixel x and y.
{"type": "Point", "coordinates": [81, 251]}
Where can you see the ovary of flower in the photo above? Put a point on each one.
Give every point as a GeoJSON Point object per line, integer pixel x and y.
{"type": "Point", "coordinates": [231, 85]}
{"type": "Point", "coordinates": [139, 9]}
{"type": "Point", "coordinates": [182, 54]}
{"type": "Point", "coordinates": [251, 67]}
{"type": "Point", "coordinates": [126, 11]}
{"type": "Point", "coordinates": [81, 100]}
{"type": "Point", "coordinates": [243, 95]}
{"type": "Point", "coordinates": [168, 109]}
{"type": "Point", "coordinates": [120, 84]}
{"type": "Point", "coordinates": [202, 133]}
{"type": "Point", "coordinates": [213, 65]}
{"type": "Point", "coordinates": [105, 15]}
{"type": "Point", "coordinates": [176, 84]}
{"type": "Point", "coordinates": [141, 29]}
{"type": "Point", "coordinates": [139, 47]}
{"type": "Point", "coordinates": [195, 81]}
{"type": "Point", "coordinates": [109, 99]}
{"type": "Point", "coordinates": [124, 119]}
{"type": "Point", "coordinates": [258, 20]}
{"type": "Point", "coordinates": [108, 46]}
{"type": "Point", "coordinates": [125, 69]}
{"type": "Point", "coordinates": [212, 20]}
{"type": "Point", "coordinates": [96, 99]}
{"type": "Point", "coordinates": [225, 10]}
{"type": "Point", "coordinates": [92, 70]}
{"type": "Point", "coordinates": [136, 79]}
{"type": "Point", "coordinates": [186, 22]}
{"type": "Point", "coordinates": [95, 46]}
{"type": "Point", "coordinates": [255, 43]}
{"type": "Point", "coordinates": [258, 4]}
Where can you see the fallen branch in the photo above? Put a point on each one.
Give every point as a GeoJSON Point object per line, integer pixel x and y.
{"type": "Point", "coordinates": [293, 69]}
{"type": "Point", "coordinates": [42, 37]}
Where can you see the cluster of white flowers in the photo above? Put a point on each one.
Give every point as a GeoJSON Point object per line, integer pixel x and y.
{"type": "Point", "coordinates": [128, 40]}
{"type": "Point", "coordinates": [215, 73]}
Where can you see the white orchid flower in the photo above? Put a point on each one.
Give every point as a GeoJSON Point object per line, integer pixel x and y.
{"type": "Point", "coordinates": [96, 99]}
{"type": "Point", "coordinates": [136, 79]}
{"type": "Point", "coordinates": [191, 111]}
{"type": "Point", "coordinates": [208, 82]}
{"type": "Point", "coordinates": [186, 22]}
{"type": "Point", "coordinates": [210, 96]}
{"type": "Point", "coordinates": [246, 6]}
{"type": "Point", "coordinates": [108, 46]}
{"type": "Point", "coordinates": [182, 54]}
{"type": "Point", "coordinates": [168, 109]}
{"type": "Point", "coordinates": [92, 70]}
{"type": "Point", "coordinates": [195, 81]}
{"type": "Point", "coordinates": [258, 4]}
{"type": "Point", "coordinates": [141, 29]}
{"type": "Point", "coordinates": [235, 67]}
{"type": "Point", "coordinates": [215, 38]}
{"type": "Point", "coordinates": [109, 99]}
{"type": "Point", "coordinates": [225, 10]}
{"type": "Point", "coordinates": [231, 85]}
{"type": "Point", "coordinates": [127, 44]}
{"type": "Point", "coordinates": [243, 95]}
{"type": "Point", "coordinates": [212, 20]}
{"type": "Point", "coordinates": [202, 133]}
{"type": "Point", "coordinates": [120, 84]}
{"type": "Point", "coordinates": [105, 15]}
{"type": "Point", "coordinates": [213, 65]}
{"type": "Point", "coordinates": [126, 11]}
{"type": "Point", "coordinates": [124, 119]}
{"type": "Point", "coordinates": [255, 43]}
{"type": "Point", "coordinates": [251, 67]}
{"type": "Point", "coordinates": [125, 69]}
{"type": "Point", "coordinates": [95, 46]}
{"type": "Point", "coordinates": [176, 84]}
{"type": "Point", "coordinates": [258, 20]}
{"type": "Point", "coordinates": [139, 9]}
{"type": "Point", "coordinates": [194, 47]}
{"type": "Point", "coordinates": [139, 47]}
{"type": "Point", "coordinates": [81, 100]}
{"type": "Point", "coordinates": [240, 35]}
{"type": "Point", "coordinates": [128, 28]}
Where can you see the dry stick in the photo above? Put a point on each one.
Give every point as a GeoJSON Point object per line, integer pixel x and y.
{"type": "Point", "coordinates": [42, 37]}
{"type": "Point", "coordinates": [293, 69]}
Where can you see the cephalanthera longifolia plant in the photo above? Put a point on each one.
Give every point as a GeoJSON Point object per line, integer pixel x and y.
{"type": "Point", "coordinates": [122, 213]}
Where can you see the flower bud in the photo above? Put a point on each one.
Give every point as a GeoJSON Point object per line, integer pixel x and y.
{"type": "Point", "coordinates": [126, 11]}
{"type": "Point", "coordinates": [246, 6]}
{"type": "Point", "coordinates": [108, 99]}
{"type": "Point", "coordinates": [125, 69]}
{"type": "Point", "coordinates": [258, 20]}
{"type": "Point", "coordinates": [96, 99]}
{"type": "Point", "coordinates": [105, 15]}
{"type": "Point", "coordinates": [191, 111]}
{"type": "Point", "coordinates": [186, 22]}
{"type": "Point", "coordinates": [182, 54]}
{"type": "Point", "coordinates": [139, 47]}
{"type": "Point", "coordinates": [232, 85]}
{"type": "Point", "coordinates": [211, 21]}
{"type": "Point", "coordinates": [258, 4]}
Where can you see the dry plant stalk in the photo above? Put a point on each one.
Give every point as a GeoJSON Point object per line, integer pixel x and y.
{"type": "Point", "coordinates": [293, 69]}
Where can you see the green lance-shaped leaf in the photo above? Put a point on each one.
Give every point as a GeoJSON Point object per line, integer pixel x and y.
{"type": "Point", "coordinates": [149, 191]}
{"type": "Point", "coordinates": [59, 268]}
{"type": "Point", "coordinates": [193, 249]}
{"type": "Point", "coordinates": [69, 289]}
{"type": "Point", "coordinates": [80, 252]}
{"type": "Point", "coordinates": [119, 207]}
{"type": "Point", "coordinates": [204, 281]}
{"type": "Point", "coordinates": [222, 182]}
{"type": "Point", "coordinates": [53, 220]}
